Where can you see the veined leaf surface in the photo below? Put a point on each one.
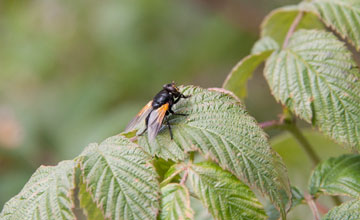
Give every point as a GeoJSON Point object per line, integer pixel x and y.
{"type": "Point", "coordinates": [337, 176]}
{"type": "Point", "coordinates": [121, 179]}
{"type": "Point", "coordinates": [316, 77]}
{"type": "Point", "coordinates": [175, 203]}
{"type": "Point", "coordinates": [348, 210]}
{"type": "Point", "coordinates": [47, 195]}
{"type": "Point", "coordinates": [343, 16]}
{"type": "Point", "coordinates": [220, 128]}
{"type": "Point", "coordinates": [223, 194]}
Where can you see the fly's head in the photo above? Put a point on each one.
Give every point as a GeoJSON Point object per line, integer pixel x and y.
{"type": "Point", "coordinates": [171, 87]}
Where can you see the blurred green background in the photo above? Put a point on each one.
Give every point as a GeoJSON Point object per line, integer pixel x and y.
{"type": "Point", "coordinates": [75, 72]}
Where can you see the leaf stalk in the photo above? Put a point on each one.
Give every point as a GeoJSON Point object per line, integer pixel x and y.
{"type": "Point", "coordinates": [313, 207]}
{"type": "Point", "coordinates": [293, 28]}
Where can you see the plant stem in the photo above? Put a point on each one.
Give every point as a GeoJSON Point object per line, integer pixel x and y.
{"type": "Point", "coordinates": [295, 131]}
{"type": "Point", "coordinates": [268, 124]}
{"type": "Point", "coordinates": [292, 28]}
{"type": "Point", "coordinates": [315, 159]}
{"type": "Point", "coordinates": [312, 206]}
{"type": "Point", "coordinates": [184, 178]}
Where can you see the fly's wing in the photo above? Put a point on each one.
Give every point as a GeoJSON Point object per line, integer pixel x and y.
{"type": "Point", "coordinates": [155, 121]}
{"type": "Point", "coordinates": [140, 117]}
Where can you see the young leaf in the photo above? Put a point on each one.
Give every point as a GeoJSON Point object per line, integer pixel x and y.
{"type": "Point", "coordinates": [297, 196]}
{"type": "Point", "coordinates": [348, 210]}
{"type": "Point", "coordinates": [47, 195]}
{"type": "Point", "coordinates": [175, 203]}
{"type": "Point", "coordinates": [220, 128]}
{"type": "Point", "coordinates": [237, 79]}
{"type": "Point", "coordinates": [277, 23]}
{"type": "Point", "coordinates": [316, 77]}
{"type": "Point", "coordinates": [343, 16]}
{"type": "Point", "coordinates": [264, 44]}
{"type": "Point", "coordinates": [121, 179]}
{"type": "Point", "coordinates": [162, 167]}
{"type": "Point", "coordinates": [223, 194]}
{"type": "Point", "coordinates": [337, 176]}
{"type": "Point", "coordinates": [88, 205]}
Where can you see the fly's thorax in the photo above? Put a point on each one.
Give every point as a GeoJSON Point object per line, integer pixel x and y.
{"type": "Point", "coordinates": [161, 98]}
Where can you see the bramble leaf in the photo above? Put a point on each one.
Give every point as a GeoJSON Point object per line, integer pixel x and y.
{"type": "Point", "coordinates": [223, 194]}
{"type": "Point", "coordinates": [316, 77]}
{"type": "Point", "coordinates": [121, 179]}
{"type": "Point", "coordinates": [278, 22]}
{"type": "Point", "coordinates": [219, 127]}
{"type": "Point", "coordinates": [337, 176]}
{"type": "Point", "coordinates": [175, 203]}
{"type": "Point", "coordinates": [47, 195]}
{"type": "Point", "coordinates": [348, 210]}
{"type": "Point", "coordinates": [343, 16]}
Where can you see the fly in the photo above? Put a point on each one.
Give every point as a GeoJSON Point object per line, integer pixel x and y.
{"type": "Point", "coordinates": [155, 111]}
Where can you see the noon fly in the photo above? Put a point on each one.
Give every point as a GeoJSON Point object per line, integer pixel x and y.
{"type": "Point", "coordinates": [156, 110]}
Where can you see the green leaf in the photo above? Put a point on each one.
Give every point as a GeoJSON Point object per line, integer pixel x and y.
{"type": "Point", "coordinates": [237, 79]}
{"type": "Point", "coordinates": [343, 16]}
{"type": "Point", "coordinates": [297, 196]}
{"type": "Point", "coordinates": [47, 195]}
{"type": "Point", "coordinates": [337, 176]}
{"type": "Point", "coordinates": [223, 194]}
{"type": "Point", "coordinates": [162, 167]}
{"type": "Point", "coordinates": [348, 210]}
{"type": "Point", "coordinates": [172, 175]}
{"type": "Point", "coordinates": [278, 22]}
{"type": "Point", "coordinates": [264, 44]}
{"type": "Point", "coordinates": [121, 179]}
{"type": "Point", "coordinates": [175, 203]}
{"type": "Point", "coordinates": [91, 211]}
{"type": "Point", "coordinates": [220, 128]}
{"type": "Point", "coordinates": [316, 77]}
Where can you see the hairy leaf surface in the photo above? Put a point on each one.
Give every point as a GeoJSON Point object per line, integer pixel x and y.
{"type": "Point", "coordinates": [316, 77]}
{"type": "Point", "coordinates": [220, 128]}
{"type": "Point", "coordinates": [343, 16]}
{"type": "Point", "coordinates": [238, 77]}
{"type": "Point", "coordinates": [47, 195]}
{"type": "Point", "coordinates": [277, 23]}
{"type": "Point", "coordinates": [348, 210]}
{"type": "Point", "coordinates": [121, 179]}
{"type": "Point", "coordinates": [175, 203]}
{"type": "Point", "coordinates": [223, 194]}
{"type": "Point", "coordinates": [337, 176]}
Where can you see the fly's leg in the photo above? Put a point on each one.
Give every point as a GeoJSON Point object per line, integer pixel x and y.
{"type": "Point", "coordinates": [168, 124]}
{"type": "Point", "coordinates": [182, 114]}
{"type": "Point", "coordinates": [180, 97]}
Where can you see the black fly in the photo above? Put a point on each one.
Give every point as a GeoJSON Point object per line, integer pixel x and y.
{"type": "Point", "coordinates": [155, 111]}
